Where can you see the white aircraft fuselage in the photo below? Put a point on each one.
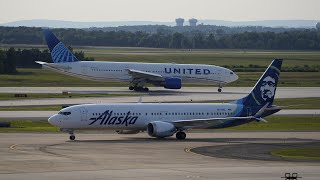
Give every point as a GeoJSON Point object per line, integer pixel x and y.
{"type": "Point", "coordinates": [138, 116]}
{"type": "Point", "coordinates": [118, 71]}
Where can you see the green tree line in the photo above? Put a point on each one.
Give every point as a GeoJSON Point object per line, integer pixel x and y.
{"type": "Point", "coordinates": [7, 62]}
{"type": "Point", "coordinates": [11, 59]}
{"type": "Point", "coordinates": [289, 40]}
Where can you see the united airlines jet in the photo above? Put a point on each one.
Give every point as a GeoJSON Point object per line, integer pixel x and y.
{"type": "Point", "coordinates": [166, 119]}
{"type": "Point", "coordinates": [135, 74]}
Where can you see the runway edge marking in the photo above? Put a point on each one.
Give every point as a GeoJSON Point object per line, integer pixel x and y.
{"type": "Point", "coordinates": [188, 150]}
{"type": "Point", "coordinates": [13, 146]}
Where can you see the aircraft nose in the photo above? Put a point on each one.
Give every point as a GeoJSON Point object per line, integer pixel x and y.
{"type": "Point", "coordinates": [233, 77]}
{"type": "Point", "coordinates": [53, 120]}
{"type": "Point", "coordinates": [236, 77]}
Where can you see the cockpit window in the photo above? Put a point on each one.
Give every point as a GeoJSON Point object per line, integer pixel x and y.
{"type": "Point", "coordinates": [231, 72]}
{"type": "Point", "coordinates": [64, 113]}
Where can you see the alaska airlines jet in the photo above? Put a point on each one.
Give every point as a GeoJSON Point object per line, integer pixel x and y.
{"type": "Point", "coordinates": [166, 119]}
{"type": "Point", "coordinates": [167, 75]}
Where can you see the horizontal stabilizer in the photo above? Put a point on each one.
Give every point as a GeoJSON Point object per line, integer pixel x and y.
{"type": "Point", "coordinates": [261, 120]}
{"type": "Point", "coordinates": [261, 111]}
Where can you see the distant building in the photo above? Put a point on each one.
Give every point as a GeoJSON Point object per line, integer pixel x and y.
{"type": "Point", "coordinates": [179, 22]}
{"type": "Point", "coordinates": [193, 22]}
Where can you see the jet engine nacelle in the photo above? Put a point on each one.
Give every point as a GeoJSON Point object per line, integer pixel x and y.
{"type": "Point", "coordinates": [173, 83]}
{"type": "Point", "coordinates": [127, 131]}
{"type": "Point", "coordinates": [161, 129]}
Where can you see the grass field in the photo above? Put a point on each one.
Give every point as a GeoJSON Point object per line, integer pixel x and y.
{"type": "Point", "coordinates": [214, 57]}
{"type": "Point", "coordinates": [275, 123]}
{"type": "Point", "coordinates": [45, 78]}
{"type": "Point", "coordinates": [297, 103]}
{"type": "Point", "coordinates": [31, 108]}
{"type": "Point", "coordinates": [298, 153]}
{"type": "Point", "coordinates": [283, 124]}
{"type": "Point", "coordinates": [293, 103]}
{"type": "Point", "coordinates": [221, 57]}
{"type": "Point", "coordinates": [9, 96]}
{"type": "Point", "coordinates": [29, 126]}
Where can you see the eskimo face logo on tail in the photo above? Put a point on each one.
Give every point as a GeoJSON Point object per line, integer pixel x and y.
{"type": "Point", "coordinates": [267, 88]}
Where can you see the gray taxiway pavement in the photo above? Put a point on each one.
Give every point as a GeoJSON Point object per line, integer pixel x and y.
{"type": "Point", "coordinates": [157, 95]}
{"type": "Point", "coordinates": [106, 156]}
{"type": "Point", "coordinates": [44, 115]}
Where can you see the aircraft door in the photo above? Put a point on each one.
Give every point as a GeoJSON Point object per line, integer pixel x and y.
{"type": "Point", "coordinates": [84, 69]}
{"type": "Point", "coordinates": [125, 75]}
{"type": "Point", "coordinates": [249, 112]}
{"type": "Point", "coordinates": [219, 75]}
{"type": "Point", "coordinates": [83, 114]}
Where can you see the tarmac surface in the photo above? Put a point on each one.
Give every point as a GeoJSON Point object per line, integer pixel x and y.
{"type": "Point", "coordinates": [195, 94]}
{"type": "Point", "coordinates": [107, 156]}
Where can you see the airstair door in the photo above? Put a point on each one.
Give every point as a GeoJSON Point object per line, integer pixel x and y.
{"type": "Point", "coordinates": [83, 113]}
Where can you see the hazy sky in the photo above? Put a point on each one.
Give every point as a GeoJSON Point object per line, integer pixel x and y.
{"type": "Point", "coordinates": [158, 10]}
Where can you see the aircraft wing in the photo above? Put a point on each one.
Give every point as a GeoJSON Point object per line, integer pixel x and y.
{"type": "Point", "coordinates": [136, 74]}
{"type": "Point", "coordinates": [203, 123]}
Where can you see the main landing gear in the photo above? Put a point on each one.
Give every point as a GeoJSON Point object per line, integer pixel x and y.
{"type": "Point", "coordinates": [181, 135]}
{"type": "Point", "coordinates": [138, 88]}
{"type": "Point", "coordinates": [219, 90]}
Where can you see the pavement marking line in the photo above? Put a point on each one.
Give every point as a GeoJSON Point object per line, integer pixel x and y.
{"type": "Point", "coordinates": [188, 150]}
{"type": "Point", "coordinates": [13, 146]}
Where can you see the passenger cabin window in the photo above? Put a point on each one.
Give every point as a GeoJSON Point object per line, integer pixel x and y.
{"type": "Point", "coordinates": [64, 113]}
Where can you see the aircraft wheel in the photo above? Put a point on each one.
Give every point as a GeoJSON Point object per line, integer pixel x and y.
{"type": "Point", "coordinates": [72, 137]}
{"type": "Point", "coordinates": [137, 89]}
{"type": "Point", "coordinates": [141, 89]}
{"type": "Point", "coordinates": [219, 90]}
{"type": "Point", "coordinates": [181, 135]}
{"type": "Point", "coordinates": [131, 88]}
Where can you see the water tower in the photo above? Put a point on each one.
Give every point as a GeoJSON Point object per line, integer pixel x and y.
{"type": "Point", "coordinates": [193, 22]}
{"type": "Point", "coordinates": [179, 22]}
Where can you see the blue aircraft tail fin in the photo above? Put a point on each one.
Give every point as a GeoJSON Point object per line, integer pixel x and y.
{"type": "Point", "coordinates": [264, 90]}
{"type": "Point", "coordinates": [59, 52]}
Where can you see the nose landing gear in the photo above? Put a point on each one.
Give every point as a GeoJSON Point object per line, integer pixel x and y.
{"type": "Point", "coordinates": [72, 137]}
{"type": "Point", "coordinates": [220, 88]}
